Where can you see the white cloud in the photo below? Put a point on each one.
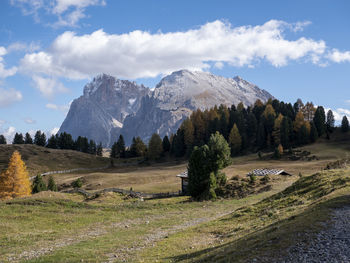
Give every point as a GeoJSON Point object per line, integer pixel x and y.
{"type": "Point", "coordinates": [29, 121]}
{"type": "Point", "coordinates": [9, 133]}
{"type": "Point", "coordinates": [48, 86]}
{"type": "Point", "coordinates": [4, 73]}
{"type": "Point", "coordinates": [68, 12]}
{"type": "Point", "coordinates": [339, 113]}
{"type": "Point", "coordinates": [20, 46]}
{"type": "Point", "coordinates": [9, 96]}
{"type": "Point", "coordinates": [141, 54]}
{"type": "Point", "coordinates": [337, 56]}
{"type": "Point", "coordinates": [54, 131]}
{"type": "Point", "coordinates": [219, 65]}
{"type": "Point", "coordinates": [62, 108]}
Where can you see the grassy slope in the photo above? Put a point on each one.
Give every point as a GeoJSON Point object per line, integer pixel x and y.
{"type": "Point", "coordinates": [40, 159]}
{"type": "Point", "coordinates": [265, 229]}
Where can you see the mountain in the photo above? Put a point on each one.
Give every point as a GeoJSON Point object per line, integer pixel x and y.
{"type": "Point", "coordinates": [110, 107]}
{"type": "Point", "coordinates": [182, 92]}
{"type": "Point", "coordinates": [99, 114]}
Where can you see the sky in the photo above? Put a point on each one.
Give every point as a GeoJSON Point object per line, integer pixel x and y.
{"type": "Point", "coordinates": [49, 49]}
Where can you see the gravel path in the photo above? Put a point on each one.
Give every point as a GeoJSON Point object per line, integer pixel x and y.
{"type": "Point", "coordinates": [330, 245]}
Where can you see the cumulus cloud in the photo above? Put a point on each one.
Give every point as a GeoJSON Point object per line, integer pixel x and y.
{"type": "Point", "coordinates": [68, 12]}
{"type": "Point", "coordinates": [48, 86]}
{"type": "Point", "coordinates": [337, 56]}
{"type": "Point", "coordinates": [142, 54]}
{"type": "Point", "coordinates": [54, 131]}
{"type": "Point", "coordinates": [62, 108]}
{"type": "Point", "coordinates": [9, 96]}
{"type": "Point", "coordinates": [9, 133]}
{"type": "Point", "coordinates": [4, 73]}
{"type": "Point", "coordinates": [339, 113]}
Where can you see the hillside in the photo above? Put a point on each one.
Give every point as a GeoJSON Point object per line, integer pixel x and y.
{"type": "Point", "coordinates": [39, 159]}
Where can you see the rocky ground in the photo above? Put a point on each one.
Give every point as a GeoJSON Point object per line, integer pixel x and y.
{"type": "Point", "coordinates": [330, 245]}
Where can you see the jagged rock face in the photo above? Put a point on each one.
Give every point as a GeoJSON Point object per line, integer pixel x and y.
{"type": "Point", "coordinates": [110, 107]}
{"type": "Point", "coordinates": [99, 114]}
{"type": "Point", "coordinates": [178, 94]}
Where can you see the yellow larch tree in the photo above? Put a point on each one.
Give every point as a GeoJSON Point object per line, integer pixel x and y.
{"type": "Point", "coordinates": [14, 182]}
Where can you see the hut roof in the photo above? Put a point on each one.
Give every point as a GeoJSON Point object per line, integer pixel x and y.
{"type": "Point", "coordinates": [265, 171]}
{"type": "Point", "coordinates": [183, 175]}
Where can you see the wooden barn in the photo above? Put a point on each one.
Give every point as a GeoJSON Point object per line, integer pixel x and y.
{"type": "Point", "coordinates": [265, 171]}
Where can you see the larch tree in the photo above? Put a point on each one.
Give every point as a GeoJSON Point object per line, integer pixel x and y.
{"type": "Point", "coordinates": [14, 182]}
{"type": "Point", "coordinates": [235, 140]}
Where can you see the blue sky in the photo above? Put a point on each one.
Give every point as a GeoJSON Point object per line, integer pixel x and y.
{"type": "Point", "coordinates": [49, 49]}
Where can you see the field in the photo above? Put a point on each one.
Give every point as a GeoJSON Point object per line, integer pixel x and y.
{"type": "Point", "coordinates": [57, 227]}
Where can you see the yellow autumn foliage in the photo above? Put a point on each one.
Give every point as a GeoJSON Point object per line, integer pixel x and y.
{"type": "Point", "coordinates": [14, 181]}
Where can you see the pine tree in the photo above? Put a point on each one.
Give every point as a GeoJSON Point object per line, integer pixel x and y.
{"type": "Point", "coordinates": [120, 148]}
{"type": "Point", "coordinates": [235, 140]}
{"type": "Point", "coordinates": [28, 139]}
{"type": "Point", "coordinates": [155, 147]}
{"type": "Point", "coordinates": [92, 147]}
{"type": "Point", "coordinates": [51, 185]}
{"type": "Point", "coordinates": [320, 120]}
{"type": "Point", "coordinates": [138, 148]}
{"type": "Point", "coordinates": [261, 136]}
{"type": "Point", "coordinates": [220, 152]}
{"type": "Point", "coordinates": [313, 133]}
{"type": "Point", "coordinates": [2, 139]}
{"type": "Point", "coordinates": [303, 134]}
{"type": "Point", "coordinates": [113, 153]}
{"type": "Point", "coordinates": [52, 142]}
{"type": "Point", "coordinates": [40, 138]}
{"type": "Point", "coordinates": [345, 124]}
{"type": "Point", "coordinates": [38, 185]}
{"type": "Point", "coordinates": [285, 133]}
{"type": "Point", "coordinates": [99, 149]}
{"type": "Point", "coordinates": [330, 121]}
{"type": "Point", "coordinates": [14, 182]}
{"type": "Point", "coordinates": [166, 144]}
{"type": "Point", "coordinates": [18, 139]}
{"type": "Point", "coordinates": [188, 129]}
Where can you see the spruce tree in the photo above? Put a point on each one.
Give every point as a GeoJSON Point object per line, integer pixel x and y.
{"type": "Point", "coordinates": [28, 139]}
{"type": "Point", "coordinates": [52, 142]}
{"type": "Point", "coordinates": [220, 152]}
{"type": "Point", "coordinates": [235, 140]}
{"type": "Point", "coordinates": [320, 120]}
{"type": "Point", "coordinates": [40, 138]}
{"type": "Point", "coordinates": [38, 184]}
{"type": "Point", "coordinates": [18, 139]}
{"type": "Point", "coordinates": [313, 133]}
{"type": "Point", "coordinates": [120, 147]}
{"type": "Point", "coordinates": [99, 149]}
{"type": "Point", "coordinates": [155, 147]}
{"type": "Point", "coordinates": [113, 153]}
{"type": "Point", "coordinates": [166, 144]}
{"type": "Point", "coordinates": [285, 132]}
{"type": "Point", "coordinates": [2, 139]}
{"type": "Point", "coordinates": [303, 135]}
{"type": "Point", "coordinates": [345, 124]}
{"type": "Point", "coordinates": [14, 181]}
{"type": "Point", "coordinates": [51, 185]}
{"type": "Point", "coordinates": [92, 147]}
{"type": "Point", "coordinates": [330, 121]}
{"type": "Point", "coordinates": [199, 172]}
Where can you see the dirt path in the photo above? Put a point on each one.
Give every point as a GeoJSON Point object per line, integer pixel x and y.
{"type": "Point", "coordinates": [125, 254]}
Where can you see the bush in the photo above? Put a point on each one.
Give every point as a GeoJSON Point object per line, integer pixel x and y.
{"type": "Point", "coordinates": [52, 185]}
{"type": "Point", "coordinates": [252, 178]}
{"type": "Point", "coordinates": [265, 179]}
{"type": "Point", "coordinates": [77, 183]}
{"type": "Point", "coordinates": [38, 184]}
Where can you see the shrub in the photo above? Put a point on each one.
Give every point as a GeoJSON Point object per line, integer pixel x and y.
{"type": "Point", "coordinates": [265, 179]}
{"type": "Point", "coordinates": [252, 178]}
{"type": "Point", "coordinates": [77, 183]}
{"type": "Point", "coordinates": [52, 185]}
{"type": "Point", "coordinates": [38, 184]}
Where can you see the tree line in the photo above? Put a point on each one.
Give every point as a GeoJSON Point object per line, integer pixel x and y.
{"type": "Point", "coordinates": [59, 141]}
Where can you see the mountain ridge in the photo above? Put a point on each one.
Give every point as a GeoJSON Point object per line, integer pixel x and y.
{"type": "Point", "coordinates": [110, 106]}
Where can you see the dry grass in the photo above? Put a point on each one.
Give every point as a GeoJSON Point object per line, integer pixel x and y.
{"type": "Point", "coordinates": [39, 159]}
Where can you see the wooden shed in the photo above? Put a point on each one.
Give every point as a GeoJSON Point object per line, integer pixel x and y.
{"type": "Point", "coordinates": [184, 181]}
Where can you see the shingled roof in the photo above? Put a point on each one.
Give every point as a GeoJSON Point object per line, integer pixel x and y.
{"type": "Point", "coordinates": [265, 171]}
